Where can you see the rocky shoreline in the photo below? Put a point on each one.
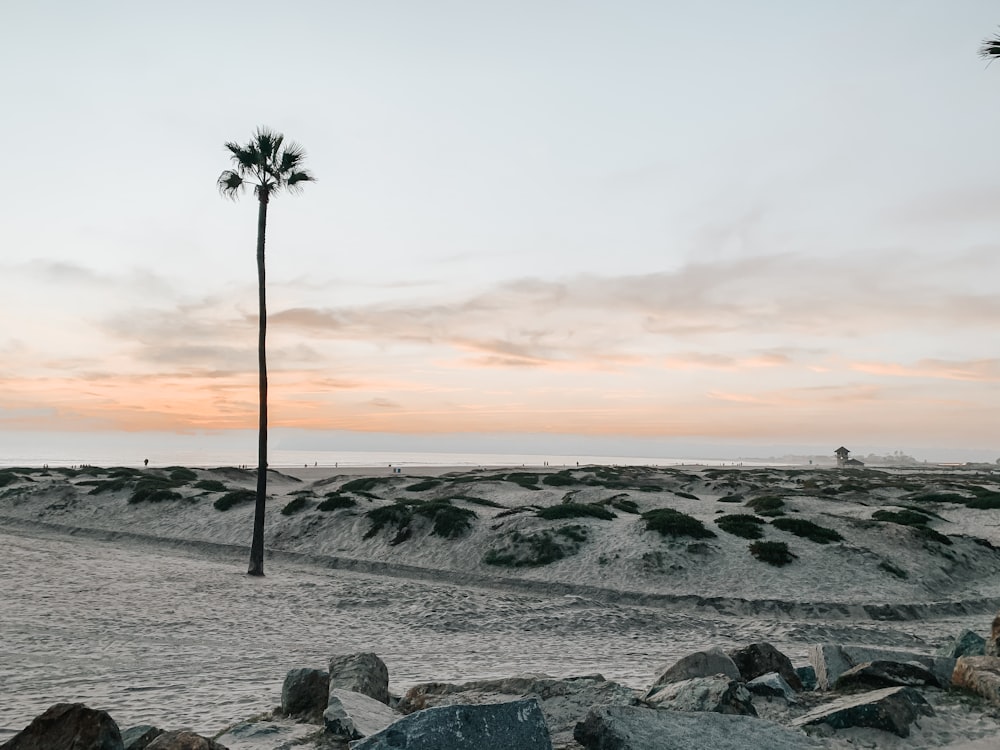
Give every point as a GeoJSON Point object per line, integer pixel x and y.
{"type": "Point", "coordinates": [750, 697]}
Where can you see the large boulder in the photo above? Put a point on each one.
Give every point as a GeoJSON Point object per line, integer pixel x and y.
{"type": "Point", "coordinates": [363, 673]}
{"type": "Point", "coordinates": [138, 738]}
{"type": "Point", "coordinates": [979, 674]}
{"type": "Point", "coordinates": [68, 726]}
{"type": "Point", "coordinates": [564, 701]}
{"type": "Point", "coordinates": [633, 728]}
{"type": "Point", "coordinates": [891, 710]}
{"type": "Point", "coordinates": [519, 725]}
{"type": "Point", "coordinates": [772, 685]}
{"type": "Point", "coordinates": [183, 741]}
{"type": "Point", "coordinates": [881, 674]}
{"type": "Point", "coordinates": [830, 661]}
{"type": "Point", "coordinates": [699, 664]}
{"type": "Point", "coordinates": [761, 658]}
{"type": "Point", "coordinates": [351, 715]}
{"type": "Point", "coordinates": [305, 693]}
{"type": "Point", "coordinates": [717, 693]}
{"type": "Point", "coordinates": [279, 733]}
{"type": "Point", "coordinates": [965, 643]}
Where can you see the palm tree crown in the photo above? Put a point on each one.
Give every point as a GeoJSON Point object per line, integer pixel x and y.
{"type": "Point", "coordinates": [990, 48]}
{"type": "Point", "coordinates": [266, 163]}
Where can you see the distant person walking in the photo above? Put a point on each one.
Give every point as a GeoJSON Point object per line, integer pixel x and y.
{"type": "Point", "coordinates": [145, 462]}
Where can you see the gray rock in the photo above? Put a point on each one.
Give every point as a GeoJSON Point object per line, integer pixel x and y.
{"type": "Point", "coordinates": [183, 741]}
{"type": "Point", "coordinates": [830, 661]}
{"type": "Point", "coordinates": [363, 673]}
{"type": "Point", "coordinates": [807, 674]}
{"type": "Point", "coordinates": [717, 693]}
{"type": "Point", "coordinates": [305, 693]}
{"type": "Point", "coordinates": [881, 674]}
{"type": "Point", "coordinates": [891, 710]}
{"type": "Point", "coordinates": [761, 658]}
{"type": "Point", "coordinates": [351, 716]}
{"type": "Point", "coordinates": [519, 725]}
{"type": "Point", "coordinates": [279, 734]}
{"type": "Point", "coordinates": [632, 728]}
{"type": "Point", "coordinates": [965, 643]}
{"type": "Point", "coordinates": [980, 674]}
{"type": "Point", "coordinates": [564, 701]}
{"type": "Point", "coordinates": [772, 685]}
{"type": "Point", "coordinates": [992, 647]}
{"type": "Point", "coordinates": [137, 738]}
{"type": "Point", "coordinates": [68, 725]}
{"type": "Point", "coordinates": [699, 664]}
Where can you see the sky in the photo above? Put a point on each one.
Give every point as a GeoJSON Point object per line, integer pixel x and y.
{"type": "Point", "coordinates": [612, 226]}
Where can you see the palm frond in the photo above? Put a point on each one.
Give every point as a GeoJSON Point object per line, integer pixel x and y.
{"type": "Point", "coordinates": [230, 184]}
{"type": "Point", "coordinates": [291, 158]}
{"type": "Point", "coordinates": [295, 178]}
{"type": "Point", "coordinates": [990, 48]}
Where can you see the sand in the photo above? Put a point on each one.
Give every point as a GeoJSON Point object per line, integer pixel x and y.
{"type": "Point", "coordinates": [143, 609]}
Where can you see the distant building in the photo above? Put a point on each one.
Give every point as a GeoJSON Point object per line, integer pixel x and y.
{"type": "Point", "coordinates": [844, 458]}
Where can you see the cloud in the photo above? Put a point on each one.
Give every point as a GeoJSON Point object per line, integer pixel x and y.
{"type": "Point", "coordinates": [981, 370]}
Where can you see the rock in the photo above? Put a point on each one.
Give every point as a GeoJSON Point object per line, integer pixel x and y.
{"type": "Point", "coordinates": [363, 673]}
{"type": "Point", "coordinates": [891, 710]}
{"type": "Point", "coordinates": [807, 674]}
{"type": "Point", "coordinates": [880, 674]}
{"type": "Point", "coordinates": [72, 726]}
{"type": "Point", "coordinates": [633, 728]}
{"type": "Point", "coordinates": [137, 738]}
{"type": "Point", "coordinates": [351, 716]}
{"type": "Point", "coordinates": [992, 647]}
{"type": "Point", "coordinates": [761, 658]}
{"type": "Point", "coordinates": [519, 725]}
{"type": "Point", "coordinates": [279, 734]}
{"type": "Point", "coordinates": [183, 741]}
{"type": "Point", "coordinates": [305, 693]}
{"type": "Point", "coordinates": [965, 643]}
{"type": "Point", "coordinates": [717, 693]}
{"type": "Point", "coordinates": [772, 685]}
{"type": "Point", "coordinates": [980, 674]}
{"type": "Point", "coordinates": [699, 664]}
{"type": "Point", "coordinates": [564, 701]}
{"type": "Point", "coordinates": [830, 661]}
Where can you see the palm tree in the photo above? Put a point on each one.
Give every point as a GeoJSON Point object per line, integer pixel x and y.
{"type": "Point", "coordinates": [990, 48]}
{"type": "Point", "coordinates": [269, 165]}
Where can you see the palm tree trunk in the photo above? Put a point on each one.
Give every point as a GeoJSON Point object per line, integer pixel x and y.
{"type": "Point", "coordinates": [257, 545]}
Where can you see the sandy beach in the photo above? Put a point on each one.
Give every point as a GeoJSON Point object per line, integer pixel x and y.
{"type": "Point", "coordinates": [142, 608]}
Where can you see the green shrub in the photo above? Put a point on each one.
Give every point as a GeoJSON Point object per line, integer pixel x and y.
{"type": "Point", "coordinates": [98, 486]}
{"type": "Point", "coordinates": [296, 505]}
{"type": "Point", "coordinates": [573, 533]}
{"type": "Point", "coordinates": [150, 489]}
{"type": "Point", "coordinates": [560, 479]}
{"type": "Point", "coordinates": [210, 485]}
{"type": "Point", "coordinates": [427, 484]}
{"type": "Point", "coordinates": [926, 532]}
{"type": "Point", "coordinates": [235, 497]}
{"type": "Point", "coordinates": [984, 502]}
{"type": "Point", "coordinates": [182, 474]}
{"type": "Point", "coordinates": [807, 530]}
{"type": "Point", "coordinates": [767, 505]}
{"type": "Point", "coordinates": [396, 515]}
{"type": "Point", "coordinates": [475, 500]}
{"type": "Point", "coordinates": [670, 522]}
{"type": "Point", "coordinates": [904, 517]}
{"type": "Point", "coordinates": [450, 521]}
{"type": "Point", "coordinates": [688, 495]}
{"type": "Point", "coordinates": [575, 510]}
{"type": "Point", "coordinates": [541, 548]}
{"type": "Point", "coordinates": [336, 501]}
{"type": "Point", "coordinates": [625, 505]}
{"type": "Point", "coordinates": [731, 499]}
{"type": "Point", "coordinates": [888, 567]}
{"type": "Point", "coordinates": [938, 497]}
{"type": "Point", "coordinates": [773, 553]}
{"type": "Point", "coordinates": [364, 484]}
{"type": "Point", "coordinates": [527, 481]}
{"type": "Point", "coordinates": [742, 525]}
{"type": "Point", "coordinates": [518, 509]}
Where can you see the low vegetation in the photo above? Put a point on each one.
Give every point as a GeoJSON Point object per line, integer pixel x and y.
{"type": "Point", "coordinates": [773, 553]}
{"type": "Point", "coordinates": [152, 489]}
{"type": "Point", "coordinates": [427, 484]}
{"type": "Point", "coordinates": [234, 498]}
{"type": "Point", "coordinates": [448, 521]}
{"type": "Point", "coordinates": [336, 501]}
{"type": "Point", "coordinates": [807, 530]}
{"type": "Point", "coordinates": [539, 548]}
{"type": "Point", "coordinates": [742, 525]}
{"type": "Point", "coordinates": [903, 517]}
{"type": "Point", "coordinates": [575, 510]}
{"type": "Point", "coordinates": [670, 522]}
{"type": "Point", "coordinates": [297, 505]}
{"type": "Point", "coordinates": [210, 485]}
{"type": "Point", "coordinates": [767, 505]}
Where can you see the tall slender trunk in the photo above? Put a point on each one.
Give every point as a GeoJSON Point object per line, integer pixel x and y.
{"type": "Point", "coordinates": [257, 545]}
